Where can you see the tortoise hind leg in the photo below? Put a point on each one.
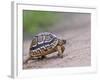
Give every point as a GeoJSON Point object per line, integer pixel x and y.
{"type": "Point", "coordinates": [26, 61]}
{"type": "Point", "coordinates": [60, 50]}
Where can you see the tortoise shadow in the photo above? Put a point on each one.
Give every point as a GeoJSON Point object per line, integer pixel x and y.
{"type": "Point", "coordinates": [49, 58]}
{"type": "Point", "coordinates": [46, 59]}
{"type": "Point", "coordinates": [52, 57]}
{"type": "Point", "coordinates": [55, 57]}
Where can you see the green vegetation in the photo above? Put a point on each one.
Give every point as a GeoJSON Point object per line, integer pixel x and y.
{"type": "Point", "coordinates": [35, 21]}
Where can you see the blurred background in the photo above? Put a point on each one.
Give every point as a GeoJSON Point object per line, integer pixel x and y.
{"type": "Point", "coordinates": [71, 26]}
{"type": "Point", "coordinates": [35, 22]}
{"type": "Point", "coordinates": [38, 21]}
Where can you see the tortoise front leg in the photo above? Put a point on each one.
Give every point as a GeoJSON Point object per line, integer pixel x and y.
{"type": "Point", "coordinates": [60, 51]}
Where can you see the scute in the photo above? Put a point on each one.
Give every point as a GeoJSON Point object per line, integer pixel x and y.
{"type": "Point", "coordinates": [43, 40]}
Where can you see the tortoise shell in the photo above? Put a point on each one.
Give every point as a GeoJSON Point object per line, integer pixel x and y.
{"type": "Point", "coordinates": [42, 43]}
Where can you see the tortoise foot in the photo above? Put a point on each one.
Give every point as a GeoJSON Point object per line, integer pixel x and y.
{"type": "Point", "coordinates": [61, 56]}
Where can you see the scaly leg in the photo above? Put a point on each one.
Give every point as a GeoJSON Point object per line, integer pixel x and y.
{"type": "Point", "coordinates": [60, 52]}
{"type": "Point", "coordinates": [30, 58]}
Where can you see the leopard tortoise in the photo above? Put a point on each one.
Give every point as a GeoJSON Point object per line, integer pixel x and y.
{"type": "Point", "coordinates": [45, 43]}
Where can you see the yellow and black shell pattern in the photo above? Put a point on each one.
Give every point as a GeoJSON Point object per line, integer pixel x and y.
{"type": "Point", "coordinates": [43, 41]}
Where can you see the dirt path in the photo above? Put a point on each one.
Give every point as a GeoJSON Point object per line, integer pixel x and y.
{"type": "Point", "coordinates": [77, 53]}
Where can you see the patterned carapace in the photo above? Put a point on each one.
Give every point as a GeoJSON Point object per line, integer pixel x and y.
{"type": "Point", "coordinates": [43, 41]}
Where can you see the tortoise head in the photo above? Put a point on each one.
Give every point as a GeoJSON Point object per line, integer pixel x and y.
{"type": "Point", "coordinates": [61, 42]}
{"type": "Point", "coordinates": [64, 41]}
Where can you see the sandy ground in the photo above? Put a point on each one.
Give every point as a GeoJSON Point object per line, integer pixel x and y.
{"type": "Point", "coordinates": [76, 54]}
